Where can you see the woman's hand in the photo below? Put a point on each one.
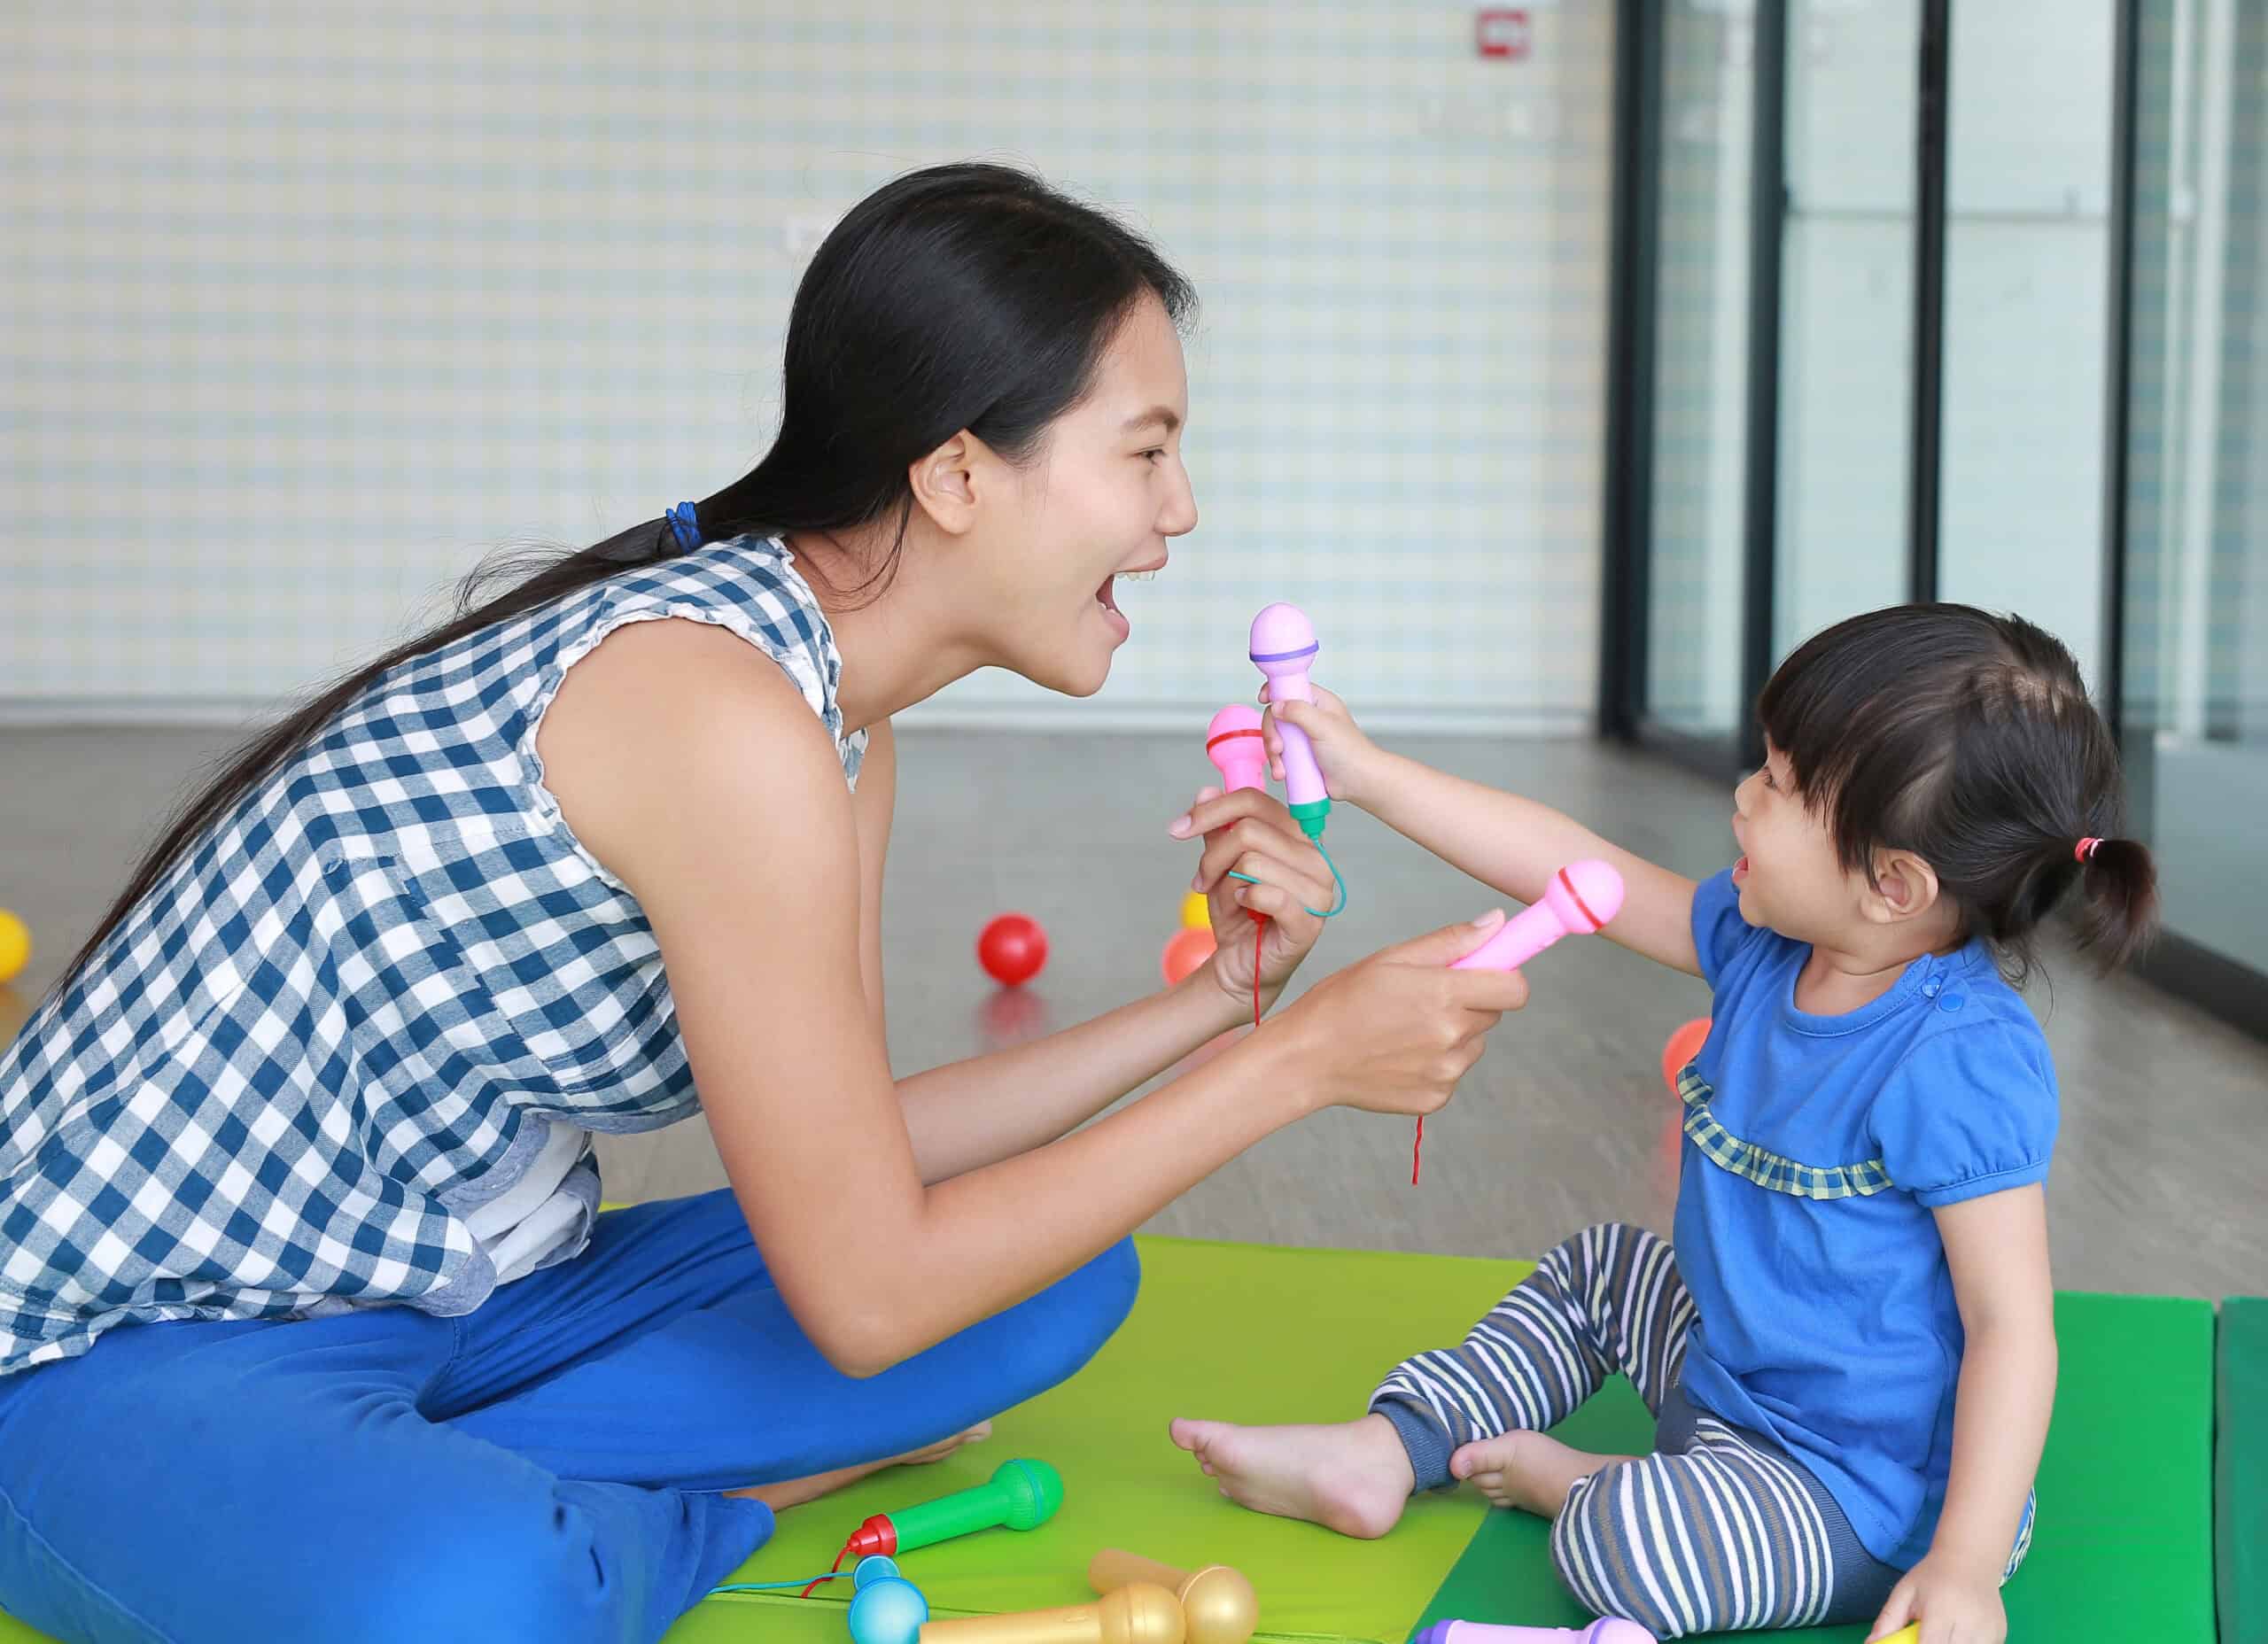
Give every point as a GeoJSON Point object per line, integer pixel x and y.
{"type": "Point", "coordinates": [1394, 1033]}
{"type": "Point", "coordinates": [1347, 759]}
{"type": "Point", "coordinates": [1250, 831]}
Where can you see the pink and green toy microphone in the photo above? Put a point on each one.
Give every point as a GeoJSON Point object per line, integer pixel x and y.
{"type": "Point", "coordinates": [1283, 647]}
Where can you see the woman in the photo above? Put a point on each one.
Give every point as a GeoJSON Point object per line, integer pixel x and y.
{"type": "Point", "coordinates": [616, 834]}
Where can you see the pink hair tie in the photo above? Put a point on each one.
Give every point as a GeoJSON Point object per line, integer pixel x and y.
{"type": "Point", "coordinates": [2086, 850]}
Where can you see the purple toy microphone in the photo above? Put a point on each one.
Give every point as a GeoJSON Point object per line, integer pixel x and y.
{"type": "Point", "coordinates": [1607, 1630]}
{"type": "Point", "coordinates": [1283, 647]}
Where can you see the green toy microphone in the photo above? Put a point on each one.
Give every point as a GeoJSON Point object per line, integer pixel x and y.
{"type": "Point", "coordinates": [1020, 1495]}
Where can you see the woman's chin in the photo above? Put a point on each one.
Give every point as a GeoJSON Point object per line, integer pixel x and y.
{"type": "Point", "coordinates": [1080, 671]}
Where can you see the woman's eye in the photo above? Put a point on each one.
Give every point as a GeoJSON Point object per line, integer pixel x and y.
{"type": "Point", "coordinates": [1153, 453]}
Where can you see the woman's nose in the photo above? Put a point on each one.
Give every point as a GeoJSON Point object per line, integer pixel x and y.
{"type": "Point", "coordinates": [1180, 517]}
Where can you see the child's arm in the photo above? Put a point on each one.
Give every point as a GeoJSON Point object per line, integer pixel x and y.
{"type": "Point", "coordinates": [1500, 839]}
{"type": "Point", "coordinates": [1996, 1246]}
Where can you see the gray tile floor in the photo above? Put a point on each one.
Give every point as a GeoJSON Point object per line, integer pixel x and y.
{"type": "Point", "coordinates": [2157, 1184]}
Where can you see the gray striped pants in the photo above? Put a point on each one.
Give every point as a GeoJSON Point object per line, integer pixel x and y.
{"type": "Point", "coordinates": [1718, 1529]}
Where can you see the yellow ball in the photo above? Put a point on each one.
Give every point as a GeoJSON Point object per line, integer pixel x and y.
{"type": "Point", "coordinates": [1194, 914]}
{"type": "Point", "coordinates": [15, 945]}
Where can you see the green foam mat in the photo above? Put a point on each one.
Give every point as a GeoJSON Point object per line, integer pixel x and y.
{"type": "Point", "coordinates": [2123, 1549]}
{"type": "Point", "coordinates": [1237, 1332]}
{"type": "Point", "coordinates": [2122, 1553]}
{"type": "Point", "coordinates": [2240, 1470]}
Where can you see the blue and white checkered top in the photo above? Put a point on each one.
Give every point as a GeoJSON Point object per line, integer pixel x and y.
{"type": "Point", "coordinates": [351, 1012]}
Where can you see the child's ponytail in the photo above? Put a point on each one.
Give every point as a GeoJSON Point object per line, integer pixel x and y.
{"type": "Point", "coordinates": [2119, 905]}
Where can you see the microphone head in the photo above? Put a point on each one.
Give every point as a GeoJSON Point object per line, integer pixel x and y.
{"type": "Point", "coordinates": [1139, 1613]}
{"type": "Point", "coordinates": [1034, 1490]}
{"type": "Point", "coordinates": [1238, 718]}
{"type": "Point", "coordinates": [1585, 896]}
{"type": "Point", "coordinates": [1234, 743]}
{"type": "Point", "coordinates": [1283, 640]}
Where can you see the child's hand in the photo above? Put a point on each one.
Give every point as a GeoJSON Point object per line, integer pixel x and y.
{"type": "Point", "coordinates": [1955, 1602]}
{"type": "Point", "coordinates": [1346, 756]}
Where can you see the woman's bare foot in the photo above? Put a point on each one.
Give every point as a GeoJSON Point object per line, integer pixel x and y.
{"type": "Point", "coordinates": [1532, 1471]}
{"type": "Point", "coordinates": [795, 1491]}
{"type": "Point", "coordinates": [1353, 1477]}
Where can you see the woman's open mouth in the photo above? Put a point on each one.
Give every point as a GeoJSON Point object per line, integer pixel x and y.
{"type": "Point", "coordinates": [1106, 596]}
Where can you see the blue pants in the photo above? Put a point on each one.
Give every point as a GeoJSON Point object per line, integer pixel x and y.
{"type": "Point", "coordinates": [546, 1468]}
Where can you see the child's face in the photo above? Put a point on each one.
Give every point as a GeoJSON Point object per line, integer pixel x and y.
{"type": "Point", "coordinates": [1791, 880]}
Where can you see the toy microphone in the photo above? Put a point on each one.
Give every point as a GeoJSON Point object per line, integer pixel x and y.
{"type": "Point", "coordinates": [1282, 645]}
{"type": "Point", "coordinates": [1019, 1495]}
{"type": "Point", "coordinates": [1580, 897]}
{"type": "Point", "coordinates": [888, 1609]}
{"type": "Point", "coordinates": [1139, 1614]}
{"type": "Point", "coordinates": [1608, 1630]}
{"type": "Point", "coordinates": [1238, 748]}
{"type": "Point", "coordinates": [1235, 744]}
{"type": "Point", "coordinates": [1217, 1604]}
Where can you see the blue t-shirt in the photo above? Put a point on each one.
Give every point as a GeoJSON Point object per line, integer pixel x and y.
{"type": "Point", "coordinates": [1816, 1149]}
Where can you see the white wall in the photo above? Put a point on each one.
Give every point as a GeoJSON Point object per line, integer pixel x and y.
{"type": "Point", "coordinates": [306, 308]}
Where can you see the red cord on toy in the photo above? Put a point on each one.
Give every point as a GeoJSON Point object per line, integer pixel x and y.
{"type": "Point", "coordinates": [835, 1569]}
{"type": "Point", "coordinates": [1259, 928]}
{"type": "Point", "coordinates": [1417, 1149]}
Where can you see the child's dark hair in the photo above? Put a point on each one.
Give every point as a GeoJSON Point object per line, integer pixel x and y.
{"type": "Point", "coordinates": [1968, 739]}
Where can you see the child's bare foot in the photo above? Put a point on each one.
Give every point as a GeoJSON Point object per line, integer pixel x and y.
{"type": "Point", "coordinates": [1353, 1477]}
{"type": "Point", "coordinates": [1532, 1471]}
{"type": "Point", "coordinates": [795, 1491]}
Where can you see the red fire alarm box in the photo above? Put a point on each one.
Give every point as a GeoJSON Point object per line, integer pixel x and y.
{"type": "Point", "coordinates": [1501, 31]}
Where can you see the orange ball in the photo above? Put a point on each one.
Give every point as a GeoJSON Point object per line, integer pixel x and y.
{"type": "Point", "coordinates": [1683, 1046]}
{"type": "Point", "coordinates": [1185, 951]}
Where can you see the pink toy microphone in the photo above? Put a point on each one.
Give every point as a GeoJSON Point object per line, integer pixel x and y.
{"type": "Point", "coordinates": [1238, 748]}
{"type": "Point", "coordinates": [1235, 744]}
{"type": "Point", "coordinates": [1607, 1630]}
{"type": "Point", "coordinates": [1581, 897]}
{"type": "Point", "coordinates": [1282, 645]}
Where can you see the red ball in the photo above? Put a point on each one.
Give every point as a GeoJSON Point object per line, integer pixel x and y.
{"type": "Point", "coordinates": [1012, 950]}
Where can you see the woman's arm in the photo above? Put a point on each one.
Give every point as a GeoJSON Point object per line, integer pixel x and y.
{"type": "Point", "coordinates": [1996, 1246]}
{"type": "Point", "coordinates": [692, 768]}
{"type": "Point", "coordinates": [971, 1113]}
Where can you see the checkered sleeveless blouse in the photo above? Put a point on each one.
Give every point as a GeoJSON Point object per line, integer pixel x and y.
{"type": "Point", "coordinates": [358, 1007]}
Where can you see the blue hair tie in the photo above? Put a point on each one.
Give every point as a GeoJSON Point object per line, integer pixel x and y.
{"type": "Point", "coordinates": [686, 524]}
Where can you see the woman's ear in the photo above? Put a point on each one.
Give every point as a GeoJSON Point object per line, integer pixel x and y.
{"type": "Point", "coordinates": [945, 484]}
{"type": "Point", "coordinates": [1905, 887]}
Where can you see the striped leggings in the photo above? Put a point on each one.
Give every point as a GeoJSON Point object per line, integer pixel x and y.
{"type": "Point", "coordinates": [1718, 1529]}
